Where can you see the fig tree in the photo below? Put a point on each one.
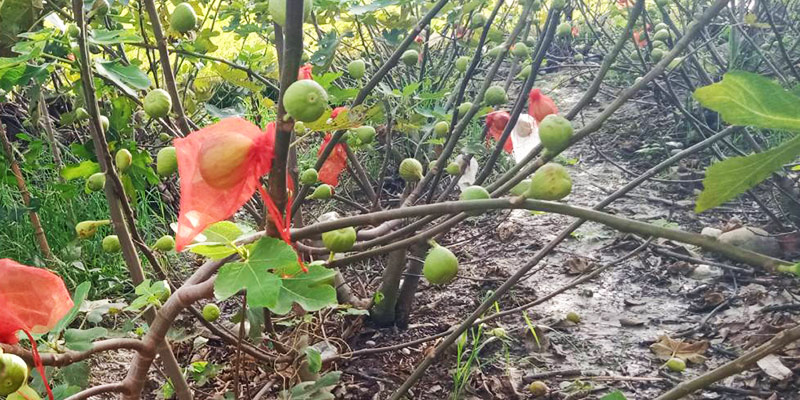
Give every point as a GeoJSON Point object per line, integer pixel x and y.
{"type": "Point", "coordinates": [411, 170]}
{"type": "Point", "coordinates": [340, 240]}
{"type": "Point", "coordinates": [166, 161]}
{"type": "Point", "coordinates": [183, 18]}
{"type": "Point", "coordinates": [157, 103]}
{"type": "Point", "coordinates": [305, 100]}
{"type": "Point", "coordinates": [440, 266]}
{"type": "Point", "coordinates": [550, 182]}
{"type": "Point", "coordinates": [555, 133]}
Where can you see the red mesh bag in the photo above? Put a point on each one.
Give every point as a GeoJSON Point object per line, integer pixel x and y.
{"type": "Point", "coordinates": [337, 160]}
{"type": "Point", "coordinates": [220, 167]}
{"type": "Point", "coordinates": [496, 123]}
{"type": "Point", "coordinates": [32, 300]}
{"type": "Point", "coordinates": [304, 72]}
{"type": "Point", "coordinates": [638, 40]}
{"type": "Point", "coordinates": [540, 106]}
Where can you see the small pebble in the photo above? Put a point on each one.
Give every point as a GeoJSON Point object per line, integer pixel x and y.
{"type": "Point", "coordinates": [370, 343]}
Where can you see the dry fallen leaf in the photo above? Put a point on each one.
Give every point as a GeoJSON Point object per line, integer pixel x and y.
{"type": "Point", "coordinates": [772, 366]}
{"type": "Point", "coordinates": [578, 266]}
{"type": "Point", "coordinates": [667, 348]}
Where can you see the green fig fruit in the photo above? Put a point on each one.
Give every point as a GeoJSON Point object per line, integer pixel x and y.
{"type": "Point", "coordinates": [525, 73]}
{"type": "Point", "coordinates": [81, 114]}
{"type": "Point", "coordinates": [550, 182]}
{"type": "Point", "coordinates": [462, 63]}
{"type": "Point", "coordinates": [453, 168]}
{"type": "Point", "coordinates": [356, 69]}
{"type": "Point", "coordinates": [87, 229]}
{"type": "Point", "coordinates": [410, 57]}
{"type": "Point", "coordinates": [123, 160]}
{"type": "Point", "coordinates": [366, 134]}
{"type": "Point", "coordinates": [211, 312]}
{"type": "Point", "coordinates": [676, 364]}
{"type": "Point", "coordinates": [662, 35]}
{"type": "Point", "coordinates": [495, 96]}
{"type": "Point", "coordinates": [157, 103]}
{"type": "Point", "coordinates": [555, 132]}
{"type": "Point", "coordinates": [564, 30]}
{"type": "Point", "coordinates": [441, 128]}
{"type": "Point", "coordinates": [520, 50]}
{"type": "Point", "coordinates": [183, 18]}
{"type": "Point", "coordinates": [521, 188]}
{"type": "Point", "coordinates": [309, 177]}
{"type": "Point", "coordinates": [111, 244]}
{"type": "Point", "coordinates": [322, 192]}
{"type": "Point", "coordinates": [277, 8]}
{"type": "Point", "coordinates": [13, 374]}
{"type": "Point", "coordinates": [165, 243]}
{"type": "Point", "coordinates": [538, 389]}
{"type": "Point", "coordinates": [474, 192]}
{"type": "Point", "coordinates": [104, 123]}
{"type": "Point", "coordinates": [478, 21]}
{"type": "Point", "coordinates": [440, 266]}
{"type": "Point", "coordinates": [464, 108]}
{"type": "Point", "coordinates": [411, 170]}
{"type": "Point", "coordinates": [656, 54]}
{"type": "Point", "coordinates": [573, 317]}
{"type": "Point", "coordinates": [96, 182]}
{"type": "Point", "coordinates": [305, 100]}
{"type": "Point", "coordinates": [340, 240]}
{"type": "Point", "coordinates": [166, 161]}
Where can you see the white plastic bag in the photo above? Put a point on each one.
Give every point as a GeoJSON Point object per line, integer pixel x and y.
{"type": "Point", "coordinates": [524, 136]}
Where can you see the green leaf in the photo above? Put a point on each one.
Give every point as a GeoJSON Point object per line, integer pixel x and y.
{"type": "Point", "coordinates": [81, 339]}
{"type": "Point", "coordinates": [744, 98]}
{"type": "Point", "coordinates": [374, 6]}
{"type": "Point", "coordinates": [212, 251]}
{"type": "Point", "coordinates": [314, 359]}
{"type": "Point", "coordinates": [222, 232]}
{"type": "Point", "coordinates": [729, 178]}
{"type": "Point", "coordinates": [263, 287]}
{"type": "Point", "coordinates": [82, 170]}
{"type": "Point", "coordinates": [313, 390]}
{"type": "Point", "coordinates": [615, 395]}
{"type": "Point", "coordinates": [106, 37]}
{"type": "Point", "coordinates": [312, 290]}
{"type": "Point", "coordinates": [128, 77]}
{"type": "Point", "coordinates": [24, 393]}
{"type": "Point", "coordinates": [77, 299]}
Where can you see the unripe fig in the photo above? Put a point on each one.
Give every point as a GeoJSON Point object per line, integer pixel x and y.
{"type": "Point", "coordinates": [166, 161]}
{"type": "Point", "coordinates": [410, 57]}
{"type": "Point", "coordinates": [299, 128]}
{"type": "Point", "coordinates": [538, 389]}
{"type": "Point", "coordinates": [558, 4]}
{"type": "Point", "coordinates": [411, 170]}
{"type": "Point", "coordinates": [495, 35]}
{"type": "Point", "coordinates": [520, 50]}
{"type": "Point", "coordinates": [305, 100]}
{"type": "Point", "coordinates": [340, 240]}
{"type": "Point", "coordinates": [578, 57]}
{"type": "Point", "coordinates": [495, 51]}
{"type": "Point", "coordinates": [661, 27]}
{"type": "Point", "coordinates": [165, 243]}
{"type": "Point", "coordinates": [564, 30]}
{"type": "Point", "coordinates": [322, 192]}
{"type": "Point", "coordinates": [675, 364]}
{"type": "Point", "coordinates": [478, 20]}
{"type": "Point", "coordinates": [111, 244]}
{"type": "Point", "coordinates": [365, 133]}
{"type": "Point", "coordinates": [656, 54]}
{"type": "Point", "coordinates": [462, 63]}
{"type": "Point", "coordinates": [73, 31]}
{"type": "Point", "coordinates": [464, 108]}
{"type": "Point", "coordinates": [521, 188]}
{"type": "Point", "coordinates": [163, 295]}
{"type": "Point", "coordinates": [211, 312]}
{"type": "Point", "coordinates": [662, 3]}
{"type": "Point", "coordinates": [13, 373]}
{"type": "Point", "coordinates": [87, 229]}
{"type": "Point", "coordinates": [495, 95]}
{"type": "Point", "coordinates": [157, 103]}
{"type": "Point", "coordinates": [356, 68]}
{"type": "Point", "coordinates": [441, 128]}
{"type": "Point", "coordinates": [550, 182]}
{"type": "Point", "coordinates": [525, 73]}
{"type": "Point", "coordinates": [277, 8]}
{"type": "Point", "coordinates": [104, 123]}
{"type": "Point", "coordinates": [453, 168]}
{"type": "Point", "coordinates": [474, 192]}
{"type": "Point", "coordinates": [221, 159]}
{"type": "Point", "coordinates": [555, 132]}
{"type": "Point", "coordinates": [100, 8]}
{"type": "Point", "coordinates": [183, 18]}
{"type": "Point", "coordinates": [440, 266]}
{"type": "Point", "coordinates": [123, 160]}
{"type": "Point", "coordinates": [573, 317]}
{"type": "Point", "coordinates": [96, 182]}
{"type": "Point", "coordinates": [499, 332]}
{"type": "Point", "coordinates": [309, 177]}
{"type": "Point", "coordinates": [662, 35]}
{"type": "Point", "coordinates": [81, 114]}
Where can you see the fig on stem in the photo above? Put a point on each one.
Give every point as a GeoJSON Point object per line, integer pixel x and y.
{"type": "Point", "coordinates": [104, 123]}
{"type": "Point", "coordinates": [366, 134]}
{"type": "Point", "coordinates": [441, 128]}
{"type": "Point", "coordinates": [111, 244]}
{"type": "Point", "coordinates": [453, 168]}
{"type": "Point", "coordinates": [305, 100]}
{"type": "Point", "coordinates": [462, 63]}
{"type": "Point", "coordinates": [550, 182]}
{"type": "Point", "coordinates": [474, 192]}
{"type": "Point", "coordinates": [166, 161]}
{"type": "Point", "coordinates": [340, 240]}
{"type": "Point", "coordinates": [520, 50]}
{"type": "Point", "coordinates": [495, 95]}
{"type": "Point", "coordinates": [322, 192]}
{"type": "Point", "coordinates": [411, 170]}
{"type": "Point", "coordinates": [440, 266]}
{"type": "Point", "coordinates": [464, 108]}
{"type": "Point", "coordinates": [410, 57]}
{"type": "Point", "coordinates": [123, 160]}
{"type": "Point", "coordinates": [165, 243]}
{"type": "Point", "coordinates": [555, 133]}
{"type": "Point", "coordinates": [87, 229]}
{"type": "Point", "coordinates": [157, 103]}
{"type": "Point", "coordinates": [211, 312]}
{"type": "Point", "coordinates": [183, 18]}
{"type": "Point", "coordinates": [13, 373]}
{"type": "Point", "coordinates": [221, 158]}
{"type": "Point", "coordinates": [96, 182]}
{"type": "Point", "coordinates": [356, 68]}
{"type": "Point", "coordinates": [277, 8]}
{"type": "Point", "coordinates": [309, 176]}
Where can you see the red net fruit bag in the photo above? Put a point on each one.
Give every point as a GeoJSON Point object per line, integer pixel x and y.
{"type": "Point", "coordinates": [496, 122]}
{"type": "Point", "coordinates": [337, 160]}
{"type": "Point", "coordinates": [540, 106]}
{"type": "Point", "coordinates": [219, 167]}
